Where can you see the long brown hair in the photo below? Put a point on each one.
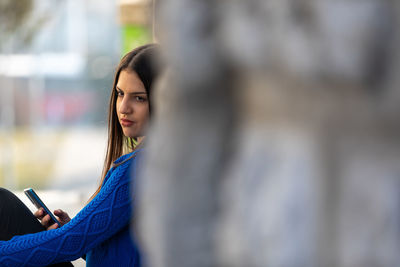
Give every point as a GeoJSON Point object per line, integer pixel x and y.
{"type": "Point", "coordinates": [142, 61]}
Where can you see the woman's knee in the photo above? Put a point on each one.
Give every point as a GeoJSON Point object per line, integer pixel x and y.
{"type": "Point", "coordinates": [10, 204]}
{"type": "Point", "coordinates": [5, 195]}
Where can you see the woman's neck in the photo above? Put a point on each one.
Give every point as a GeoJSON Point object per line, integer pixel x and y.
{"type": "Point", "coordinates": [140, 140]}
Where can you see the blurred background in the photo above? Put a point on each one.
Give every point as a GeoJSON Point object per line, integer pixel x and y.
{"type": "Point", "coordinates": [57, 60]}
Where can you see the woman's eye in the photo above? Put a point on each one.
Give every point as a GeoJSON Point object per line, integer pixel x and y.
{"type": "Point", "coordinates": [140, 98]}
{"type": "Point", "coordinates": [120, 93]}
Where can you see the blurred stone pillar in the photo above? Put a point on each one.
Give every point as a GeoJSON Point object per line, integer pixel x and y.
{"type": "Point", "coordinates": [276, 140]}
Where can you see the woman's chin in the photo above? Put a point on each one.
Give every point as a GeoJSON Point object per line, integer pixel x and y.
{"type": "Point", "coordinates": [133, 135]}
{"type": "Point", "coordinates": [130, 134]}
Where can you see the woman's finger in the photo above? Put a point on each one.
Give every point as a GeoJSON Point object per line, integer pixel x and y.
{"type": "Point", "coordinates": [39, 213]}
{"type": "Point", "coordinates": [53, 226]}
{"type": "Point", "coordinates": [63, 216]}
{"type": "Point", "coordinates": [60, 213]}
{"type": "Point", "coordinates": [46, 220]}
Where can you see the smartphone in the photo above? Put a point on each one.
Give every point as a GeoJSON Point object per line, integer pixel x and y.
{"type": "Point", "coordinates": [35, 199]}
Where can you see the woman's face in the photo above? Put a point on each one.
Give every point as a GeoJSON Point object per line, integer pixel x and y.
{"type": "Point", "coordinates": [132, 104]}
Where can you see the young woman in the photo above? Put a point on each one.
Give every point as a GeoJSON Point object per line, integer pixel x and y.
{"type": "Point", "coordinates": [101, 229]}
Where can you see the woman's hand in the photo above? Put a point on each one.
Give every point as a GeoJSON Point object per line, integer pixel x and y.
{"type": "Point", "coordinates": [45, 219]}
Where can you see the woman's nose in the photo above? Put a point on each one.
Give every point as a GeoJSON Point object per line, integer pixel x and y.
{"type": "Point", "coordinates": [124, 107]}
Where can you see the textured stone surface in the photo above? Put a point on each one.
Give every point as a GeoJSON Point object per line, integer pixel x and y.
{"type": "Point", "coordinates": [277, 138]}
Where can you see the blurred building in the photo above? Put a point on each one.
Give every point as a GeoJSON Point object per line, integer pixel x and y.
{"type": "Point", "coordinates": [63, 76]}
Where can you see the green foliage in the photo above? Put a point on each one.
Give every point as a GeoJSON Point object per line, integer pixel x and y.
{"type": "Point", "coordinates": [134, 36]}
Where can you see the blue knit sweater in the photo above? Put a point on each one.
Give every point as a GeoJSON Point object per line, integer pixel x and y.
{"type": "Point", "coordinates": [100, 230]}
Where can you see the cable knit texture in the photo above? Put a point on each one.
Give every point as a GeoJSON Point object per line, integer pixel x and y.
{"type": "Point", "coordinates": [97, 223]}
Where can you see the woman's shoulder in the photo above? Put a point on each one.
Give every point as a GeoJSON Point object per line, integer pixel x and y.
{"type": "Point", "coordinates": [127, 157]}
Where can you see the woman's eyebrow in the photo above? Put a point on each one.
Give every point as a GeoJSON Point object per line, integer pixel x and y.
{"type": "Point", "coordinates": [133, 93]}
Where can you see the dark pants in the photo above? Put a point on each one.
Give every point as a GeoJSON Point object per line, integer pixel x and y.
{"type": "Point", "coordinates": [17, 219]}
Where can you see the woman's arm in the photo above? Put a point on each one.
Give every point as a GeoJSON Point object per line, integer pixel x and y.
{"type": "Point", "coordinates": [105, 215]}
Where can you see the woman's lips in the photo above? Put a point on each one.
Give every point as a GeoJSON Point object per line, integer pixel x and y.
{"type": "Point", "coordinates": [126, 123]}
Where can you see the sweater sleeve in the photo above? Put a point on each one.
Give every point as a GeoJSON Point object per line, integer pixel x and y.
{"type": "Point", "coordinates": [100, 219]}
